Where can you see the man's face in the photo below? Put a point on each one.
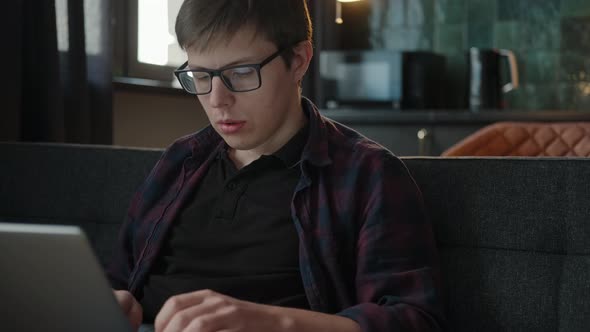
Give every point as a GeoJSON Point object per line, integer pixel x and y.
{"type": "Point", "coordinates": [259, 121]}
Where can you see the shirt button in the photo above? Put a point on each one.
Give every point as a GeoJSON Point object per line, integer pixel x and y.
{"type": "Point", "coordinates": [231, 185]}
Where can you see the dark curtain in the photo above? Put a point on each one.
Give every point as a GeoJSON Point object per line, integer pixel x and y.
{"type": "Point", "coordinates": [61, 89]}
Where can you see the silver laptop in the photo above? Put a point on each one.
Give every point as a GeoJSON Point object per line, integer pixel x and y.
{"type": "Point", "coordinates": [51, 281]}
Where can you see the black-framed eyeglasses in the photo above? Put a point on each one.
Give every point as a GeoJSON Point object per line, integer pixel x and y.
{"type": "Point", "coordinates": [240, 78]}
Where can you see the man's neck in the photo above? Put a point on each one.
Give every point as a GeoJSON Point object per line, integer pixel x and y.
{"type": "Point", "coordinates": [241, 158]}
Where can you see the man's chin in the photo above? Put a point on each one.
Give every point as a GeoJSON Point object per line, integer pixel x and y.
{"type": "Point", "coordinates": [237, 145]}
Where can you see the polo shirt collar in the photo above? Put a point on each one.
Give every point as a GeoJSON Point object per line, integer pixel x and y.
{"type": "Point", "coordinates": [315, 150]}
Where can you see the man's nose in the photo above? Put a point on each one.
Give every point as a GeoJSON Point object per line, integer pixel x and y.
{"type": "Point", "coordinates": [220, 95]}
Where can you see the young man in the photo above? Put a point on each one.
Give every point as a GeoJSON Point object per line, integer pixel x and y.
{"type": "Point", "coordinates": [273, 218]}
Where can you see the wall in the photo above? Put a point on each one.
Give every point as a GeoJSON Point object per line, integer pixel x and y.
{"type": "Point", "coordinates": [551, 39]}
{"type": "Point", "coordinates": [148, 119]}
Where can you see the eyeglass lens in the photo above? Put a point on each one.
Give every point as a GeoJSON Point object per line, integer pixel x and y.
{"type": "Point", "coordinates": [236, 79]}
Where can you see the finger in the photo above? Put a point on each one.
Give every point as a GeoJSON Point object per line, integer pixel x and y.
{"type": "Point", "coordinates": [194, 315]}
{"type": "Point", "coordinates": [177, 304]}
{"type": "Point", "coordinates": [222, 319]}
{"type": "Point", "coordinates": [130, 307]}
{"type": "Point", "coordinates": [125, 300]}
{"type": "Point", "coordinates": [135, 315]}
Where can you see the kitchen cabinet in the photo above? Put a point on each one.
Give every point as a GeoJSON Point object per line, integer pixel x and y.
{"type": "Point", "coordinates": [402, 140]}
{"type": "Point", "coordinates": [415, 140]}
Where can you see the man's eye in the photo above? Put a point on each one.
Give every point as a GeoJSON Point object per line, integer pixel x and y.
{"type": "Point", "coordinates": [200, 76]}
{"type": "Point", "coordinates": [245, 71]}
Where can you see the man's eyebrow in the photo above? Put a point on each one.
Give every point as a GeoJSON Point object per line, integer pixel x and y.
{"type": "Point", "coordinates": [245, 60]}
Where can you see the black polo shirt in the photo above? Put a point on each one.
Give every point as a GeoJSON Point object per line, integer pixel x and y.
{"type": "Point", "coordinates": [236, 236]}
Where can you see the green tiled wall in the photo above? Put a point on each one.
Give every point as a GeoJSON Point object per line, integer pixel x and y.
{"type": "Point", "coordinates": [551, 39]}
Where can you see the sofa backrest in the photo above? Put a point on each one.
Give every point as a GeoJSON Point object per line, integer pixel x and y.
{"type": "Point", "coordinates": [514, 240]}
{"type": "Point", "coordinates": [513, 234]}
{"type": "Point", "coordinates": [89, 186]}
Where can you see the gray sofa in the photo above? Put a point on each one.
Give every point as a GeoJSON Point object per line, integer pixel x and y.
{"type": "Point", "coordinates": [513, 234]}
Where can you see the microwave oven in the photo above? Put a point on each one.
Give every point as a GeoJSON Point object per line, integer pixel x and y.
{"type": "Point", "coordinates": [381, 78]}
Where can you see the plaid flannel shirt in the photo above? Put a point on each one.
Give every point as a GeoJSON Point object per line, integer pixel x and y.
{"type": "Point", "coordinates": [367, 250]}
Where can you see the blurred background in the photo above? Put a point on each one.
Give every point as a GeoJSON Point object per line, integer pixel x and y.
{"type": "Point", "coordinates": [415, 75]}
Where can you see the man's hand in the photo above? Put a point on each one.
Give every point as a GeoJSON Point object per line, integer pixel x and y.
{"type": "Point", "coordinates": [208, 311]}
{"type": "Point", "coordinates": [130, 306]}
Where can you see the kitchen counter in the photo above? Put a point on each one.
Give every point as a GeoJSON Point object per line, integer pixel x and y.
{"type": "Point", "coordinates": [430, 132]}
{"type": "Point", "coordinates": [384, 116]}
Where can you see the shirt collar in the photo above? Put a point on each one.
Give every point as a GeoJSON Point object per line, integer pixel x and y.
{"type": "Point", "coordinates": [314, 138]}
{"type": "Point", "coordinates": [290, 153]}
{"type": "Point", "coordinates": [316, 150]}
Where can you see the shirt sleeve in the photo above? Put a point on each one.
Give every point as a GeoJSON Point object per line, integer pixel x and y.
{"type": "Point", "coordinates": [126, 248]}
{"type": "Point", "coordinates": [122, 261]}
{"type": "Point", "coordinates": [145, 207]}
{"type": "Point", "coordinates": [397, 277]}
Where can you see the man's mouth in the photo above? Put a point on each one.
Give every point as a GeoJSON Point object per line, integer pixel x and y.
{"type": "Point", "coordinates": [230, 126]}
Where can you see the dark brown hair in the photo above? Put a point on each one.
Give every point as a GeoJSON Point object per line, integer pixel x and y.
{"type": "Point", "coordinates": [203, 23]}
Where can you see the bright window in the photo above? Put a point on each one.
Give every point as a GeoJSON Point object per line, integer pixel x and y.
{"type": "Point", "coordinates": [156, 40]}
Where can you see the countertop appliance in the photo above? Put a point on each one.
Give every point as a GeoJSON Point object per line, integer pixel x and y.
{"type": "Point", "coordinates": [485, 80]}
{"type": "Point", "coordinates": [381, 78]}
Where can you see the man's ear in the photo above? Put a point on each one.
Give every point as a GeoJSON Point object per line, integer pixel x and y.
{"type": "Point", "coordinates": [302, 54]}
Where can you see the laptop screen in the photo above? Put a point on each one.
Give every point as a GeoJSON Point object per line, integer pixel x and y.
{"type": "Point", "coordinates": [52, 281]}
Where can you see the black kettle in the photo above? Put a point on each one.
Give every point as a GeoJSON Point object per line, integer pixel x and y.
{"type": "Point", "coordinates": [485, 67]}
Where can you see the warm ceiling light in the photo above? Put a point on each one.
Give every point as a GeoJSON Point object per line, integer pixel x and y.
{"type": "Point", "coordinates": [339, 19]}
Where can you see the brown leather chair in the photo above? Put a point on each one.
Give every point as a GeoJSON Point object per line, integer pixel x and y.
{"type": "Point", "coordinates": [539, 139]}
